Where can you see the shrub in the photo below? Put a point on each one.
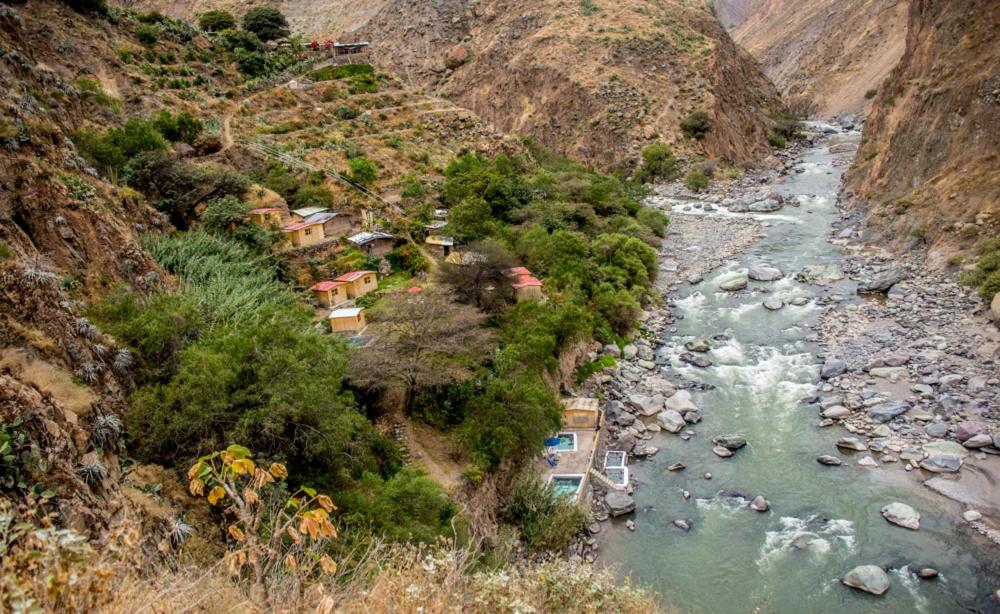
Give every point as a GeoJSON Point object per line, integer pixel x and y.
{"type": "Point", "coordinates": [695, 180]}
{"type": "Point", "coordinates": [362, 170]}
{"type": "Point", "coordinates": [182, 127]}
{"type": "Point", "coordinates": [408, 506]}
{"type": "Point", "coordinates": [231, 40]}
{"type": "Point", "coordinates": [695, 124]}
{"type": "Point", "coordinates": [871, 93]}
{"type": "Point", "coordinates": [267, 23]}
{"type": "Point", "coordinates": [146, 34]}
{"type": "Point", "coordinates": [407, 258]}
{"type": "Point", "coordinates": [216, 21]}
{"type": "Point", "coordinates": [112, 149]}
{"type": "Point", "coordinates": [252, 63]}
{"type": "Point", "coordinates": [547, 522]}
{"type": "Point", "coordinates": [658, 162]}
{"type": "Point", "coordinates": [312, 196]}
{"type": "Point", "coordinates": [653, 219]}
{"type": "Point", "coordinates": [986, 276]}
{"type": "Point", "coordinates": [776, 140]}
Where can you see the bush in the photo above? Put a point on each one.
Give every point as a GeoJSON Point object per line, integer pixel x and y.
{"type": "Point", "coordinates": [216, 21]}
{"type": "Point", "coordinates": [112, 149]}
{"type": "Point", "coordinates": [146, 34]}
{"type": "Point", "coordinates": [870, 94]}
{"type": "Point", "coordinates": [776, 140]}
{"type": "Point", "coordinates": [653, 219]}
{"type": "Point", "coordinates": [658, 163]}
{"type": "Point", "coordinates": [182, 127]}
{"type": "Point", "coordinates": [986, 276]}
{"type": "Point", "coordinates": [407, 258]}
{"type": "Point", "coordinates": [695, 124]}
{"type": "Point", "coordinates": [252, 63]}
{"type": "Point", "coordinates": [547, 522]}
{"type": "Point", "coordinates": [408, 506]}
{"type": "Point", "coordinates": [362, 170]}
{"type": "Point", "coordinates": [312, 196]}
{"type": "Point", "coordinates": [266, 23]}
{"type": "Point", "coordinates": [695, 180]}
{"type": "Point", "coordinates": [231, 40]}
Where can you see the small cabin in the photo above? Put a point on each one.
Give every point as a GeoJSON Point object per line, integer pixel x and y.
{"type": "Point", "coordinates": [329, 293]}
{"type": "Point", "coordinates": [581, 413]}
{"type": "Point", "coordinates": [349, 320]}
{"type": "Point", "coordinates": [266, 216]}
{"type": "Point", "coordinates": [334, 224]}
{"type": "Point", "coordinates": [358, 283]}
{"type": "Point", "coordinates": [374, 243]}
{"type": "Point", "coordinates": [301, 234]}
{"type": "Point", "coordinates": [526, 286]}
{"type": "Point", "coordinates": [440, 245]}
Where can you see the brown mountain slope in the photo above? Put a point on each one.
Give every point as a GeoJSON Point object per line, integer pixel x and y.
{"type": "Point", "coordinates": [929, 163]}
{"type": "Point", "coordinates": [595, 79]}
{"type": "Point", "coordinates": [822, 54]}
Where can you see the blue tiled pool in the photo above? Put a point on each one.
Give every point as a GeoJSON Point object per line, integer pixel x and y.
{"type": "Point", "coordinates": [567, 442]}
{"type": "Point", "coordinates": [566, 485]}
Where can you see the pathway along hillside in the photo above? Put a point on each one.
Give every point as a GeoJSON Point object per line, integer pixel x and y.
{"type": "Point", "coordinates": [819, 521]}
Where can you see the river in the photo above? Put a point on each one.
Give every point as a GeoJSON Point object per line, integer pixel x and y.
{"type": "Point", "coordinates": [822, 521]}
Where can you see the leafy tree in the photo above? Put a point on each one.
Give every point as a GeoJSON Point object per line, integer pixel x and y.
{"type": "Point", "coordinates": [484, 280]}
{"type": "Point", "coordinates": [510, 419]}
{"type": "Point", "coordinates": [362, 170]}
{"type": "Point", "coordinates": [267, 23]}
{"type": "Point", "coordinates": [695, 124]}
{"type": "Point", "coordinates": [182, 127]}
{"type": "Point", "coordinates": [112, 149]}
{"type": "Point", "coordinates": [231, 40]}
{"type": "Point", "coordinates": [271, 532]}
{"type": "Point", "coordinates": [252, 63]}
{"type": "Point", "coordinates": [229, 216]}
{"type": "Point", "coordinates": [658, 162]}
{"type": "Point", "coordinates": [547, 522]}
{"type": "Point", "coordinates": [471, 219]}
{"type": "Point", "coordinates": [216, 21]}
{"type": "Point", "coordinates": [696, 180]}
{"type": "Point", "coordinates": [421, 340]}
{"type": "Point", "coordinates": [312, 196]}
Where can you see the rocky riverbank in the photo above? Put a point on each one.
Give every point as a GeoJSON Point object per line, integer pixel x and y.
{"type": "Point", "coordinates": [911, 371]}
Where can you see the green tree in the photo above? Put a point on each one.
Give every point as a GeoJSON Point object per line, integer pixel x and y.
{"type": "Point", "coordinates": [362, 170]}
{"type": "Point", "coordinates": [267, 23]}
{"type": "Point", "coordinates": [216, 21]}
{"type": "Point", "coordinates": [658, 162]}
{"type": "Point", "coordinates": [182, 127]}
{"type": "Point", "coordinates": [696, 180]}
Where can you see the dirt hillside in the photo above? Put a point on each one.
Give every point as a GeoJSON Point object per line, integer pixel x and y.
{"type": "Point", "coordinates": [593, 79]}
{"type": "Point", "coordinates": [824, 55]}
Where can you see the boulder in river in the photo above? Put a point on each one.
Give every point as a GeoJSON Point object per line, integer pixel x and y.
{"type": "Point", "coordinates": [978, 441]}
{"type": "Point", "coordinates": [764, 272]}
{"type": "Point", "coordinates": [969, 428]}
{"type": "Point", "coordinates": [902, 514]}
{"type": "Point", "coordinates": [759, 504]}
{"type": "Point", "coordinates": [773, 303]}
{"type": "Point", "coordinates": [832, 367]}
{"type": "Point", "coordinates": [671, 420]}
{"type": "Point", "coordinates": [927, 573]}
{"type": "Point", "coordinates": [768, 205]}
{"type": "Point", "coordinates": [697, 345]}
{"type": "Point", "coordinates": [680, 402]}
{"type": "Point", "coordinates": [884, 412]}
{"type": "Point", "coordinates": [732, 441]}
{"type": "Point", "coordinates": [733, 284]}
{"type": "Point", "coordinates": [682, 524]}
{"type": "Point", "coordinates": [829, 460]}
{"type": "Point", "coordinates": [942, 463]}
{"type": "Point", "coordinates": [722, 452]}
{"type": "Point", "coordinates": [697, 360]}
{"type": "Point", "coordinates": [868, 578]}
{"type": "Point", "coordinates": [851, 443]}
{"type": "Point", "coordinates": [646, 405]}
{"type": "Point", "coordinates": [619, 503]}
{"type": "Point", "coordinates": [836, 412]}
{"type": "Point", "coordinates": [820, 274]}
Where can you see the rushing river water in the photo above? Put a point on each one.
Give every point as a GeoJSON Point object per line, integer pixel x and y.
{"type": "Point", "coordinates": [823, 521]}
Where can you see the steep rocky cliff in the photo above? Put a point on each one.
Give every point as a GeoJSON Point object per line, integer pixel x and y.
{"type": "Point", "coordinates": [928, 167]}
{"type": "Point", "coordinates": [593, 79]}
{"type": "Point", "coordinates": [824, 55]}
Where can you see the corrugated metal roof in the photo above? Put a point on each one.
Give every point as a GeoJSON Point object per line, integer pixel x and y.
{"type": "Point", "coordinates": [307, 211]}
{"type": "Point", "coordinates": [436, 240]}
{"type": "Point", "coordinates": [322, 216]}
{"type": "Point", "coordinates": [581, 403]}
{"type": "Point", "coordinates": [368, 236]}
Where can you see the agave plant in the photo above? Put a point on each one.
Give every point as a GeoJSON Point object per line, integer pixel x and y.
{"type": "Point", "coordinates": [92, 471]}
{"type": "Point", "coordinates": [39, 277]}
{"type": "Point", "coordinates": [88, 372]}
{"type": "Point", "coordinates": [106, 431]}
{"type": "Point", "coordinates": [178, 531]}
{"type": "Point", "coordinates": [124, 360]}
{"type": "Point", "coordinates": [84, 328]}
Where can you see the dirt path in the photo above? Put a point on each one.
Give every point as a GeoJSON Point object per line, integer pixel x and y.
{"type": "Point", "coordinates": [227, 131]}
{"type": "Point", "coordinates": [430, 450]}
